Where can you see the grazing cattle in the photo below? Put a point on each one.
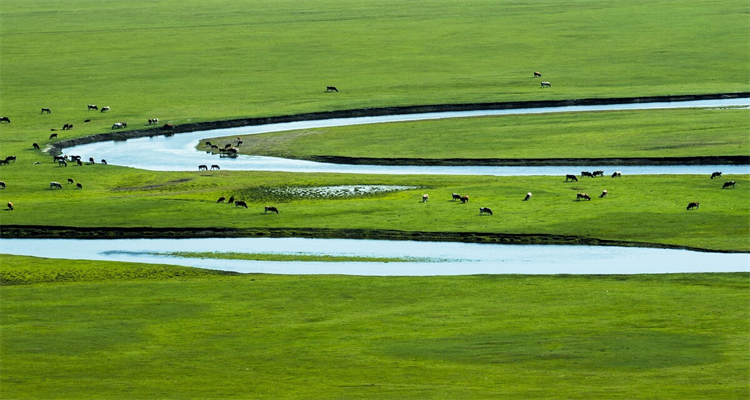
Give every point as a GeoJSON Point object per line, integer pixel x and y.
{"type": "Point", "coordinates": [35, 145]}
{"type": "Point", "coordinates": [598, 173]}
{"type": "Point", "coordinates": [92, 107]}
{"type": "Point", "coordinates": [119, 125]}
{"type": "Point", "coordinates": [70, 180]}
{"type": "Point", "coordinates": [240, 203]}
{"type": "Point", "coordinates": [604, 194]}
{"type": "Point", "coordinates": [86, 120]}
{"type": "Point", "coordinates": [168, 126]}
{"type": "Point", "coordinates": [79, 186]}
{"type": "Point", "coordinates": [67, 127]}
{"type": "Point", "coordinates": [537, 74]}
{"type": "Point", "coordinates": [5, 119]}
{"type": "Point", "coordinates": [425, 197]}
{"type": "Point", "coordinates": [583, 196]}
{"type": "Point", "coordinates": [208, 143]}
{"type": "Point", "coordinates": [55, 185]}
{"type": "Point", "coordinates": [456, 196]}
{"type": "Point", "coordinates": [10, 158]}
{"type": "Point", "coordinates": [2, 185]}
{"type": "Point", "coordinates": [617, 174]}
{"type": "Point", "coordinates": [104, 161]}
{"type": "Point", "coordinates": [571, 178]}
{"type": "Point", "coordinates": [729, 184]}
{"type": "Point", "coordinates": [215, 167]}
{"type": "Point", "coordinates": [221, 199]}
{"type": "Point", "coordinates": [78, 161]}
{"type": "Point", "coordinates": [546, 84]}
{"type": "Point", "coordinates": [331, 89]}
{"type": "Point", "coordinates": [693, 205]}
{"type": "Point", "coordinates": [528, 197]}
{"type": "Point", "coordinates": [716, 175]}
{"type": "Point", "coordinates": [10, 206]}
{"type": "Point", "coordinates": [271, 209]}
{"type": "Point", "coordinates": [4, 162]}
{"type": "Point", "coordinates": [53, 136]}
{"type": "Point", "coordinates": [227, 146]}
{"type": "Point", "coordinates": [91, 160]}
{"type": "Point", "coordinates": [231, 200]}
{"type": "Point", "coordinates": [104, 109]}
{"type": "Point", "coordinates": [464, 199]}
{"type": "Point", "coordinates": [46, 110]}
{"type": "Point", "coordinates": [586, 173]}
{"type": "Point", "coordinates": [485, 210]}
{"type": "Point", "coordinates": [153, 121]}
{"type": "Point", "coordinates": [62, 163]}
{"type": "Point", "coordinates": [202, 168]}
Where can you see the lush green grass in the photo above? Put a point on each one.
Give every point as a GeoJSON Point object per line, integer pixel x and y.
{"type": "Point", "coordinates": [655, 133]}
{"type": "Point", "coordinates": [638, 208]}
{"type": "Point", "coordinates": [264, 336]}
{"type": "Point", "coordinates": [299, 257]}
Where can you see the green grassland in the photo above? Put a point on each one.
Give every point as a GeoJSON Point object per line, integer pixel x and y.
{"type": "Point", "coordinates": [621, 134]}
{"type": "Point", "coordinates": [208, 335]}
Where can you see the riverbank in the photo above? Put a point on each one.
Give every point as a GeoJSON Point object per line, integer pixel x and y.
{"type": "Point", "coordinates": [56, 148]}
{"type": "Point", "coordinates": [66, 232]}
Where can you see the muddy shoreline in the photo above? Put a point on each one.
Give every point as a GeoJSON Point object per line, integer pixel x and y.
{"type": "Point", "coordinates": [56, 148]}
{"type": "Point", "coordinates": [67, 232]}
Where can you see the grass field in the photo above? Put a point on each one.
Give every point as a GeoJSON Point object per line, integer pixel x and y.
{"type": "Point", "coordinates": [109, 334]}
{"type": "Point", "coordinates": [623, 134]}
{"type": "Point", "coordinates": [79, 329]}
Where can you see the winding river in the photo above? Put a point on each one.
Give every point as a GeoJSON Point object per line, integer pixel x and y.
{"type": "Point", "coordinates": [178, 153]}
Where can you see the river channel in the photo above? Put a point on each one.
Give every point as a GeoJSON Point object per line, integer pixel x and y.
{"type": "Point", "coordinates": [178, 153]}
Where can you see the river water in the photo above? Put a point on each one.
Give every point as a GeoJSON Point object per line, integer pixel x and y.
{"type": "Point", "coordinates": [178, 153]}
{"type": "Point", "coordinates": [446, 258]}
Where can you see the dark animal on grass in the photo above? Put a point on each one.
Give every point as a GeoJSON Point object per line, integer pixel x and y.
{"type": "Point", "coordinates": [227, 146]}
{"type": "Point", "coordinates": [10, 206]}
{"type": "Point", "coordinates": [693, 205]}
{"type": "Point", "coordinates": [78, 161]}
{"type": "Point", "coordinates": [537, 74]}
{"type": "Point", "coordinates": [104, 161]}
{"type": "Point", "coordinates": [208, 143]}
{"type": "Point", "coordinates": [617, 174]}
{"type": "Point", "coordinates": [583, 196]}
{"type": "Point", "coordinates": [464, 199]}
{"type": "Point", "coordinates": [485, 210]}
{"type": "Point", "coordinates": [202, 168]}
{"type": "Point", "coordinates": [55, 185]}
{"type": "Point", "coordinates": [91, 160]}
{"type": "Point", "coordinates": [604, 194]}
{"type": "Point", "coordinates": [5, 119]}
{"type": "Point", "coordinates": [62, 163]}
{"type": "Point", "coordinates": [456, 196]}
{"type": "Point", "coordinates": [75, 158]}
{"type": "Point", "coordinates": [586, 173]}
{"type": "Point", "coordinates": [35, 145]}
{"type": "Point", "coordinates": [271, 209]}
{"type": "Point", "coordinates": [119, 125]}
{"type": "Point", "coordinates": [331, 89]}
{"type": "Point", "coordinates": [53, 136]}
{"type": "Point", "coordinates": [46, 110]}
{"type": "Point", "coordinates": [571, 178]}
{"type": "Point", "coordinates": [2, 185]}
{"type": "Point", "coordinates": [425, 197]}
{"type": "Point", "coordinates": [716, 175]}
{"type": "Point", "coordinates": [4, 162]}
{"type": "Point", "coordinates": [598, 173]}
{"type": "Point", "coordinates": [10, 158]}
{"type": "Point", "coordinates": [86, 120]}
{"type": "Point", "coordinates": [221, 199]}
{"type": "Point", "coordinates": [528, 197]}
{"type": "Point", "coordinates": [729, 184]}
{"type": "Point", "coordinates": [240, 203]}
{"type": "Point", "coordinates": [70, 180]}
{"type": "Point", "coordinates": [153, 121]}
{"type": "Point", "coordinates": [546, 84]}
{"type": "Point", "coordinates": [92, 107]}
{"type": "Point", "coordinates": [231, 200]}
{"type": "Point", "coordinates": [67, 127]}
{"type": "Point", "coordinates": [104, 109]}
{"type": "Point", "coordinates": [214, 147]}
{"type": "Point", "coordinates": [79, 186]}
{"type": "Point", "coordinates": [168, 126]}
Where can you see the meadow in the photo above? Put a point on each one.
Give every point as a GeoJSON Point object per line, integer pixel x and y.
{"type": "Point", "coordinates": [80, 329]}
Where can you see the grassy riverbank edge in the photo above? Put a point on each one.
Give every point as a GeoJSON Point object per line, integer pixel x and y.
{"type": "Point", "coordinates": [57, 147]}
{"type": "Point", "coordinates": [61, 232]}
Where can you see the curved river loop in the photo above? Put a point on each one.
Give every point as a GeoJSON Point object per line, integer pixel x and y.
{"type": "Point", "coordinates": [178, 153]}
